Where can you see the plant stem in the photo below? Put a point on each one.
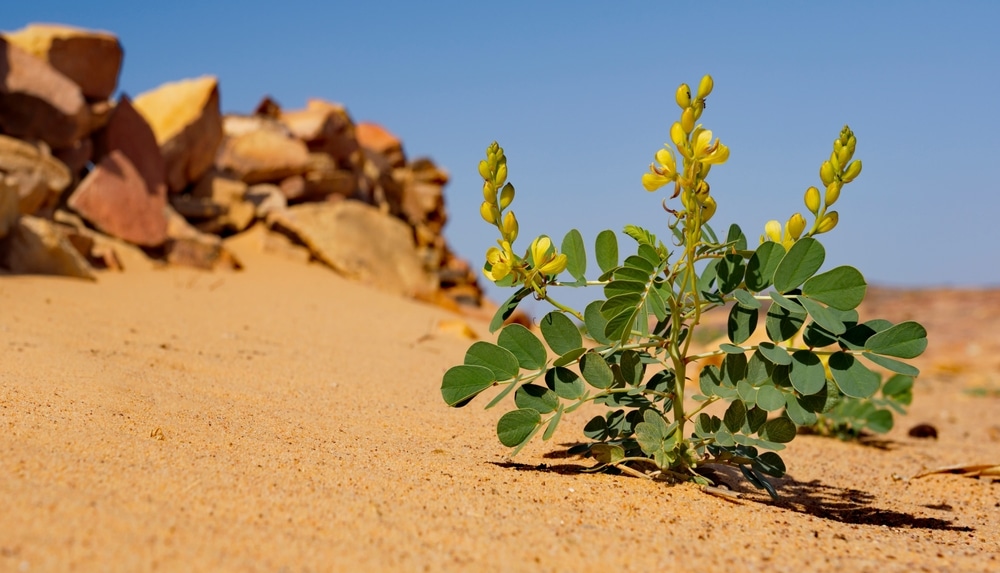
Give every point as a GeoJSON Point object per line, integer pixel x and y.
{"type": "Point", "coordinates": [563, 308]}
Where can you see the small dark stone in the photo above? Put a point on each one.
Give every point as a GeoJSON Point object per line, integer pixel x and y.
{"type": "Point", "coordinates": [923, 431]}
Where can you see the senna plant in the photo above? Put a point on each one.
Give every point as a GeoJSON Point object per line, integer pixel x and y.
{"type": "Point", "coordinates": [632, 352]}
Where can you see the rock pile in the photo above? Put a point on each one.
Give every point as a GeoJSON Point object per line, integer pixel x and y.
{"type": "Point", "coordinates": [83, 177]}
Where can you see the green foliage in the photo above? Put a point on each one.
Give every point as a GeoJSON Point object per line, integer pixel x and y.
{"type": "Point", "coordinates": [809, 366]}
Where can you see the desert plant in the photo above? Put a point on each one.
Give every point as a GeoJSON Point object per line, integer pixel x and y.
{"type": "Point", "coordinates": [631, 351]}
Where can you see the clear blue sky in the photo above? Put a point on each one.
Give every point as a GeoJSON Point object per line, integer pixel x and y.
{"type": "Point", "coordinates": [581, 95]}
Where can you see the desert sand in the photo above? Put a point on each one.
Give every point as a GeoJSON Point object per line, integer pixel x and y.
{"type": "Point", "coordinates": [283, 418]}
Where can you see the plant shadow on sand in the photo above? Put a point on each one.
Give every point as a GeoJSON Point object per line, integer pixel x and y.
{"type": "Point", "coordinates": [845, 505]}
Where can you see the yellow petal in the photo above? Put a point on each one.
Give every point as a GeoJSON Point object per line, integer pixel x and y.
{"type": "Point", "coordinates": [539, 249]}
{"type": "Point", "coordinates": [652, 181]}
{"type": "Point", "coordinates": [796, 224]}
{"type": "Point", "coordinates": [773, 231]}
{"type": "Point", "coordinates": [555, 266]}
{"type": "Point", "coordinates": [665, 157]}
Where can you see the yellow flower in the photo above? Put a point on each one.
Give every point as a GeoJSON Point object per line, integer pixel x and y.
{"type": "Point", "coordinates": [773, 231]}
{"type": "Point", "coordinates": [666, 172]}
{"type": "Point", "coordinates": [545, 259]}
{"type": "Point", "coordinates": [500, 262]}
{"type": "Point", "coordinates": [706, 150]}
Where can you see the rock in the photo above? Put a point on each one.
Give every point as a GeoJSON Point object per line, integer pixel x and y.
{"type": "Point", "coordinates": [37, 102]}
{"type": "Point", "coordinates": [268, 108]}
{"type": "Point", "coordinates": [101, 251]}
{"type": "Point", "coordinates": [262, 155]}
{"type": "Point", "coordinates": [125, 194]}
{"type": "Point", "coordinates": [376, 138]}
{"type": "Point", "coordinates": [227, 196]}
{"type": "Point", "coordinates": [77, 156]}
{"type": "Point", "coordinates": [9, 206]}
{"type": "Point", "coordinates": [89, 58]}
{"type": "Point", "coordinates": [236, 125]}
{"type": "Point", "coordinates": [326, 127]}
{"type": "Point", "coordinates": [293, 188]}
{"type": "Point", "coordinates": [36, 246]}
{"type": "Point", "coordinates": [360, 242]}
{"type": "Point", "coordinates": [38, 176]}
{"type": "Point", "coordinates": [266, 198]}
{"type": "Point", "coordinates": [323, 179]}
{"type": "Point", "coordinates": [187, 122]}
{"type": "Point", "coordinates": [187, 246]}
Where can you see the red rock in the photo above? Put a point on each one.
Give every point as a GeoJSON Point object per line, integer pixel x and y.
{"type": "Point", "coordinates": [36, 101]}
{"type": "Point", "coordinates": [376, 138]}
{"type": "Point", "coordinates": [186, 119]}
{"type": "Point", "coordinates": [90, 58]}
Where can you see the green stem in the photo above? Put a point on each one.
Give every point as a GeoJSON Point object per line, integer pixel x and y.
{"type": "Point", "coordinates": [563, 308]}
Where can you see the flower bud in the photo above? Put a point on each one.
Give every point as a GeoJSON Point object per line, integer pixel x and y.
{"type": "Point", "coordinates": [489, 192]}
{"type": "Point", "coordinates": [833, 192]}
{"type": "Point", "coordinates": [687, 119]}
{"type": "Point", "coordinates": [835, 162]}
{"type": "Point", "coordinates": [486, 212]}
{"type": "Point", "coordinates": [773, 231]}
{"type": "Point", "coordinates": [510, 227]}
{"type": "Point", "coordinates": [708, 208]}
{"type": "Point", "coordinates": [796, 224]}
{"type": "Point", "coordinates": [683, 96]}
{"type": "Point", "coordinates": [506, 196]}
{"type": "Point", "coordinates": [705, 87]}
{"type": "Point", "coordinates": [812, 200]}
{"type": "Point", "coordinates": [501, 173]}
{"type": "Point", "coordinates": [678, 136]}
{"type": "Point", "coordinates": [484, 170]}
{"type": "Point", "coordinates": [828, 223]}
{"type": "Point", "coordinates": [826, 173]}
{"type": "Point", "coordinates": [853, 170]}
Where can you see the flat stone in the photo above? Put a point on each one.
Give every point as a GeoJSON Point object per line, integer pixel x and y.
{"type": "Point", "coordinates": [187, 122]}
{"type": "Point", "coordinates": [374, 137]}
{"type": "Point", "coordinates": [326, 127]}
{"type": "Point", "coordinates": [37, 102]}
{"type": "Point", "coordinates": [360, 242]}
{"type": "Point", "coordinates": [37, 246]}
{"type": "Point", "coordinates": [91, 59]}
{"type": "Point", "coordinates": [262, 156]}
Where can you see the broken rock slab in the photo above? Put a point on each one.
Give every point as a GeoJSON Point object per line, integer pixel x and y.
{"type": "Point", "coordinates": [38, 177]}
{"type": "Point", "coordinates": [360, 242]}
{"type": "Point", "coordinates": [186, 119]}
{"type": "Point", "coordinates": [89, 58]}
{"type": "Point", "coordinates": [38, 246]}
{"type": "Point", "coordinates": [262, 156]}
{"type": "Point", "coordinates": [124, 195]}
{"type": "Point", "coordinates": [37, 102]}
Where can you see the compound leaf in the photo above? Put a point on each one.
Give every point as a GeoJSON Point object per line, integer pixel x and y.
{"type": "Point", "coordinates": [842, 288]}
{"type": "Point", "coordinates": [499, 360]}
{"type": "Point", "coordinates": [905, 340]}
{"type": "Point", "coordinates": [561, 333]}
{"type": "Point", "coordinates": [799, 263]}
{"type": "Point", "coordinates": [524, 345]}
{"type": "Point", "coordinates": [462, 383]}
{"type": "Point", "coordinates": [852, 377]}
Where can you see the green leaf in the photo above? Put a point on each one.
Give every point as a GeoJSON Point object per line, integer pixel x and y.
{"type": "Point", "coordinates": [596, 371]}
{"type": "Point", "coordinates": [620, 326]}
{"type": "Point", "coordinates": [823, 316]}
{"type": "Point", "coordinates": [606, 249]}
{"type": "Point", "coordinates": [746, 300]}
{"type": "Point", "coordinates": [565, 383]}
{"type": "Point", "coordinates": [499, 360]}
{"type": "Point", "coordinates": [755, 419]}
{"type": "Point", "coordinates": [879, 421]}
{"type": "Point", "coordinates": [747, 392]}
{"type": "Point", "coordinates": [560, 333]}
{"type": "Point", "coordinates": [619, 304]}
{"type": "Point", "coordinates": [524, 345]}
{"type": "Point", "coordinates": [770, 398]}
{"type": "Point", "coordinates": [797, 412]}
{"type": "Point", "coordinates": [899, 388]}
{"type": "Point", "coordinates": [799, 263]}
{"type": "Point", "coordinates": [462, 383]}
{"type": "Point", "coordinates": [852, 377]}
{"type": "Point", "coordinates": [807, 373]}
{"type": "Point", "coordinates": [905, 340]}
{"type": "Point", "coordinates": [742, 323]}
{"type": "Point", "coordinates": [782, 324]}
{"type": "Point", "coordinates": [569, 357]}
{"type": "Point", "coordinates": [731, 349]}
{"type": "Point", "coordinates": [857, 336]}
{"type": "Point", "coordinates": [576, 253]}
{"type": "Point", "coordinates": [815, 336]}
{"type": "Point", "coordinates": [786, 303]}
{"type": "Point", "coordinates": [771, 464]}
{"type": "Point", "coordinates": [620, 287]}
{"type": "Point", "coordinates": [892, 365]}
{"type": "Point", "coordinates": [735, 416]}
{"type": "Point", "coordinates": [607, 453]}
{"type": "Point", "coordinates": [595, 322]}
{"type": "Point", "coordinates": [656, 438]}
{"type": "Point", "coordinates": [780, 430]}
{"type": "Point", "coordinates": [730, 272]}
{"type": "Point", "coordinates": [637, 262]}
{"type": "Point", "coordinates": [735, 235]}
{"type": "Point", "coordinates": [761, 266]}
{"type": "Point", "coordinates": [507, 308]}
{"type": "Point", "coordinates": [842, 288]}
{"type": "Point", "coordinates": [630, 274]}
{"type": "Point", "coordinates": [632, 368]}
{"type": "Point", "coordinates": [537, 398]}
{"type": "Point", "coordinates": [776, 354]}
{"type": "Point", "coordinates": [647, 252]}
{"type": "Point", "coordinates": [515, 427]}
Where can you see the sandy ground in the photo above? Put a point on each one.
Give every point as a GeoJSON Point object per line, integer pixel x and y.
{"type": "Point", "coordinates": [285, 419]}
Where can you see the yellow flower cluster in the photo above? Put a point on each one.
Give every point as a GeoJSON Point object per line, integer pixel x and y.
{"type": "Point", "coordinates": [699, 152]}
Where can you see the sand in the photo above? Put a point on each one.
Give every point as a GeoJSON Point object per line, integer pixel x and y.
{"type": "Point", "coordinates": [283, 418]}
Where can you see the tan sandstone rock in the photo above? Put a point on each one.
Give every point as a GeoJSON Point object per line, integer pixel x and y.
{"type": "Point", "coordinates": [360, 242]}
{"type": "Point", "coordinates": [38, 177]}
{"type": "Point", "coordinates": [92, 59]}
{"type": "Point", "coordinates": [326, 127]}
{"type": "Point", "coordinates": [376, 138]}
{"type": "Point", "coordinates": [187, 246]}
{"type": "Point", "coordinates": [186, 119]}
{"type": "Point", "coordinates": [263, 155]}
{"type": "Point", "coordinates": [37, 102]}
{"type": "Point", "coordinates": [38, 246]}
{"type": "Point", "coordinates": [125, 194]}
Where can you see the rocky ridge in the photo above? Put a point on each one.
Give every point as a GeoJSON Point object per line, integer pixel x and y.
{"type": "Point", "coordinates": [88, 182]}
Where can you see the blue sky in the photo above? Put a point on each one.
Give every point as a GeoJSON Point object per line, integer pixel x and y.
{"type": "Point", "coordinates": [580, 94]}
